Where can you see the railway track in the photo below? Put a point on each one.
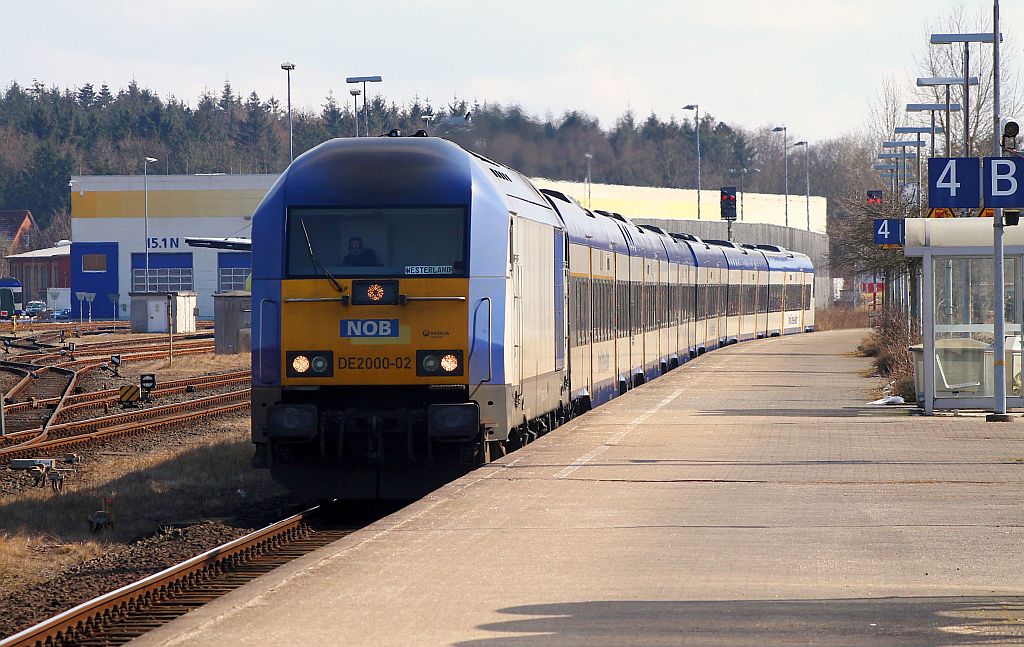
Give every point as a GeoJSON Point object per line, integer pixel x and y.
{"type": "Point", "coordinates": [49, 383]}
{"type": "Point", "coordinates": [96, 399]}
{"type": "Point", "coordinates": [102, 352]}
{"type": "Point", "coordinates": [119, 616]}
{"type": "Point", "coordinates": [59, 437]}
{"type": "Point", "coordinates": [37, 400]}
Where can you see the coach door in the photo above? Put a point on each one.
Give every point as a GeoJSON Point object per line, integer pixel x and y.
{"type": "Point", "coordinates": [516, 310]}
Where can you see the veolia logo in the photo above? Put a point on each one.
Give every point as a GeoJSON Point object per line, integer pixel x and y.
{"type": "Point", "coordinates": [369, 327]}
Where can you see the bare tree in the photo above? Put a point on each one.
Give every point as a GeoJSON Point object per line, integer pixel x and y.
{"type": "Point", "coordinates": [948, 60]}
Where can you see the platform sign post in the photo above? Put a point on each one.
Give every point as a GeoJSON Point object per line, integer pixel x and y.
{"type": "Point", "coordinates": [889, 231]}
{"type": "Point", "coordinates": [954, 183]}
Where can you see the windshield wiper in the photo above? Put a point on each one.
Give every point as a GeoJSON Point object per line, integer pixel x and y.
{"type": "Point", "coordinates": [316, 261]}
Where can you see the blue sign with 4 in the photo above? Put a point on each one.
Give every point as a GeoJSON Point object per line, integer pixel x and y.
{"type": "Point", "coordinates": [954, 183]}
{"type": "Point", "coordinates": [889, 231]}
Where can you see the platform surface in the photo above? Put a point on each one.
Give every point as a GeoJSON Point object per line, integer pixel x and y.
{"type": "Point", "coordinates": [747, 498]}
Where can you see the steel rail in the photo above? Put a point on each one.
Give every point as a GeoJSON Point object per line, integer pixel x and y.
{"type": "Point", "coordinates": [76, 623]}
{"type": "Point", "coordinates": [68, 409]}
{"type": "Point", "coordinates": [71, 433]}
{"type": "Point", "coordinates": [97, 398]}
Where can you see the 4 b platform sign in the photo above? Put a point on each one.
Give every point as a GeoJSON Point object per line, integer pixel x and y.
{"type": "Point", "coordinates": [958, 183]}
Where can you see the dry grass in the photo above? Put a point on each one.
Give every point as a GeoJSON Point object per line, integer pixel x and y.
{"type": "Point", "coordinates": [28, 559]}
{"type": "Point", "coordinates": [889, 345]}
{"type": "Point", "coordinates": [187, 366]}
{"type": "Point", "coordinates": [207, 477]}
{"type": "Point", "coordinates": [837, 318]}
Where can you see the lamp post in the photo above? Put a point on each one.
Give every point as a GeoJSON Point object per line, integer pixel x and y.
{"type": "Point", "coordinates": [696, 128]}
{"type": "Point", "coordinates": [785, 156]}
{"type": "Point", "coordinates": [966, 39]}
{"type": "Point", "coordinates": [589, 157]}
{"type": "Point", "coordinates": [355, 92]}
{"type": "Point", "coordinates": [946, 81]}
{"type": "Point", "coordinates": [742, 172]}
{"type": "Point", "coordinates": [288, 67]}
{"type": "Point", "coordinates": [933, 108]}
{"type": "Point", "coordinates": [918, 144]}
{"type": "Point", "coordinates": [807, 178]}
{"type": "Point", "coordinates": [146, 161]}
{"type": "Point", "coordinates": [364, 80]}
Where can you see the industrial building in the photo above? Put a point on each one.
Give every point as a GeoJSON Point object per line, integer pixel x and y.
{"type": "Point", "coordinates": [109, 234]}
{"type": "Point", "coordinates": [43, 270]}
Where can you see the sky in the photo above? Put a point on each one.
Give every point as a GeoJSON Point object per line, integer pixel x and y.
{"type": "Point", "coordinates": [812, 65]}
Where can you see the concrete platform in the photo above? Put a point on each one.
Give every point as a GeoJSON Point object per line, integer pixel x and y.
{"type": "Point", "coordinates": [748, 498]}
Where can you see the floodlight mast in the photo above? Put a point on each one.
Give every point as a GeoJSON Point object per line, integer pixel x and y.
{"type": "Point", "coordinates": [364, 80]}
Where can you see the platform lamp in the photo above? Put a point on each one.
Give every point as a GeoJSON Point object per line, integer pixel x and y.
{"type": "Point", "coordinates": [146, 161]}
{"type": "Point", "coordinates": [965, 79]}
{"type": "Point", "coordinates": [288, 66]}
{"type": "Point", "coordinates": [696, 127]}
{"type": "Point", "coordinates": [807, 177]}
{"type": "Point", "coordinates": [946, 81]}
{"type": "Point", "coordinates": [589, 157]}
{"type": "Point", "coordinates": [933, 130]}
{"type": "Point", "coordinates": [355, 92]}
{"type": "Point", "coordinates": [785, 157]}
{"type": "Point", "coordinates": [742, 172]}
{"type": "Point", "coordinates": [364, 80]}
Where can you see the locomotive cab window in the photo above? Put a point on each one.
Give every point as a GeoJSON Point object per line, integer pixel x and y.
{"type": "Point", "coordinates": [399, 242]}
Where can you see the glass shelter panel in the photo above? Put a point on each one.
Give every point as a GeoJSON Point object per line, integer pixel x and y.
{"type": "Point", "coordinates": [964, 330]}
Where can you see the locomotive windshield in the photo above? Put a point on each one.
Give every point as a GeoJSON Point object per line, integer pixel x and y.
{"type": "Point", "coordinates": [419, 242]}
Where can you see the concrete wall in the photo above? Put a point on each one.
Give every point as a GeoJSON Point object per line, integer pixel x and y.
{"type": "Point", "coordinates": [681, 204]}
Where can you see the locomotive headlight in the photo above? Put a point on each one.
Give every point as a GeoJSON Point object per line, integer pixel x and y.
{"type": "Point", "coordinates": [309, 363]}
{"type": "Point", "coordinates": [300, 364]}
{"type": "Point", "coordinates": [439, 363]}
{"type": "Point", "coordinates": [375, 292]}
{"type": "Point", "coordinates": [319, 364]}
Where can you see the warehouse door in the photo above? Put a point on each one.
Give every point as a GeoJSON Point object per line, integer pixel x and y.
{"type": "Point", "coordinates": [168, 272]}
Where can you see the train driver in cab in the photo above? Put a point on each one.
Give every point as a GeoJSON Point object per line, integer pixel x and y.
{"type": "Point", "coordinates": [359, 255]}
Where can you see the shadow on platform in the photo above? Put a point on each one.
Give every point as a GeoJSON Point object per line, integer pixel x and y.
{"type": "Point", "coordinates": [787, 412]}
{"type": "Point", "coordinates": [985, 620]}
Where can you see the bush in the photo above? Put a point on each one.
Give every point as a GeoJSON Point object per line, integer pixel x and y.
{"type": "Point", "coordinates": [889, 343]}
{"type": "Point", "coordinates": [840, 318]}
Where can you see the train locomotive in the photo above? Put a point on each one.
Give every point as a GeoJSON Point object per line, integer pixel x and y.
{"type": "Point", "coordinates": [419, 309]}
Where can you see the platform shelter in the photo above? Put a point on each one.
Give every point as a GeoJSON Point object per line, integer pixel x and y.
{"type": "Point", "coordinates": [954, 364]}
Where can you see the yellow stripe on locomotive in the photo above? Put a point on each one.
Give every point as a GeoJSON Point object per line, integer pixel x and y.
{"type": "Point", "coordinates": [376, 332]}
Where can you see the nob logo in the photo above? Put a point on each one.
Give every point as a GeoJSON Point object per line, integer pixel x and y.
{"type": "Point", "coordinates": [369, 327]}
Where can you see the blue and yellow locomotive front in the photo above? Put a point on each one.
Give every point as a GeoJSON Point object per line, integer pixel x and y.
{"type": "Point", "coordinates": [361, 304]}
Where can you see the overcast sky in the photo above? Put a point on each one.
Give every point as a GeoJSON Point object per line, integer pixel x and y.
{"type": "Point", "coordinates": [813, 65]}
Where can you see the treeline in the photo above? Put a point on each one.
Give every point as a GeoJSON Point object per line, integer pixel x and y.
{"type": "Point", "coordinates": [48, 134]}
